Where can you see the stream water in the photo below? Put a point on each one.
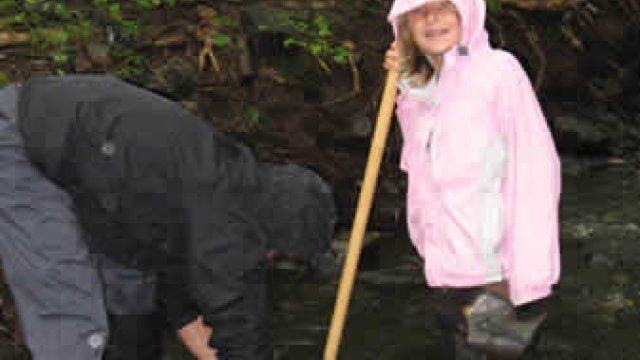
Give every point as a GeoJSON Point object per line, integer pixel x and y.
{"type": "Point", "coordinates": [594, 313]}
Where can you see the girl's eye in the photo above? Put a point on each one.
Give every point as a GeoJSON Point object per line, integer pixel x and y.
{"type": "Point", "coordinates": [438, 8]}
{"type": "Point", "coordinates": [446, 6]}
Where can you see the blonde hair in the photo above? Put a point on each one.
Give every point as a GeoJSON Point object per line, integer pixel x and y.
{"type": "Point", "coordinates": [413, 63]}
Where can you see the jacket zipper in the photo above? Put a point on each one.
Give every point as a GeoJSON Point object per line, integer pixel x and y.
{"type": "Point", "coordinates": [428, 146]}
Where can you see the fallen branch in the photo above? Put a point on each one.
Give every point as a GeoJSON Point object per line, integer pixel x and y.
{"type": "Point", "coordinates": [572, 38]}
{"type": "Point", "coordinates": [176, 32]}
{"type": "Point", "coordinates": [8, 39]}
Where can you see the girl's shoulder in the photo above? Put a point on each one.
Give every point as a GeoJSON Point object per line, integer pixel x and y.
{"type": "Point", "coordinates": [497, 67]}
{"type": "Point", "coordinates": [505, 62]}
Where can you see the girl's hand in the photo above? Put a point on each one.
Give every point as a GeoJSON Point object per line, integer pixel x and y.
{"type": "Point", "coordinates": [391, 58]}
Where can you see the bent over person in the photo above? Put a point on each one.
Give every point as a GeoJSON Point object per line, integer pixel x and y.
{"type": "Point", "coordinates": [156, 189]}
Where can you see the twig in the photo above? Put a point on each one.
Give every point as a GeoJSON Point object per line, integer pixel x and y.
{"type": "Point", "coordinates": [8, 39]}
{"type": "Point", "coordinates": [353, 64]}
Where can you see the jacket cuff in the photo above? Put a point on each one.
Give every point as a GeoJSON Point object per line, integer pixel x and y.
{"type": "Point", "coordinates": [178, 321]}
{"type": "Point", "coordinates": [521, 295]}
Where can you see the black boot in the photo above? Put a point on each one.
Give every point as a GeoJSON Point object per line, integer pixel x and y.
{"type": "Point", "coordinates": [448, 305]}
{"type": "Point", "coordinates": [135, 337]}
{"type": "Point", "coordinates": [492, 325]}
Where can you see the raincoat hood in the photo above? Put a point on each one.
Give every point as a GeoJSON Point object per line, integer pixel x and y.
{"type": "Point", "coordinates": [297, 210]}
{"type": "Point", "coordinates": [472, 16]}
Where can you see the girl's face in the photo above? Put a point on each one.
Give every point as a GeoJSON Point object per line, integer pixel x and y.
{"type": "Point", "coordinates": [435, 27]}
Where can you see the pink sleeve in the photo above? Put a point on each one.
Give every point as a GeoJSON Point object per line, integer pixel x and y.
{"type": "Point", "coordinates": [531, 190]}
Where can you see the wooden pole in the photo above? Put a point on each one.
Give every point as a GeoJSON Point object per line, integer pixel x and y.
{"type": "Point", "coordinates": [362, 215]}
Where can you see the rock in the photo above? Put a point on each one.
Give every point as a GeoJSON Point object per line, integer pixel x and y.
{"type": "Point", "coordinates": [391, 277]}
{"type": "Point", "coordinates": [620, 278]}
{"type": "Point", "coordinates": [617, 301]}
{"type": "Point", "coordinates": [600, 260]}
{"type": "Point", "coordinates": [574, 134]}
{"type": "Point", "coordinates": [265, 29]}
{"type": "Point", "coordinates": [361, 126]}
{"type": "Point", "coordinates": [9, 350]}
{"type": "Point", "coordinates": [582, 231]}
{"type": "Point", "coordinates": [386, 211]}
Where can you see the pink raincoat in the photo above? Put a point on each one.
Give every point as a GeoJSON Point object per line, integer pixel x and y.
{"type": "Point", "coordinates": [484, 175]}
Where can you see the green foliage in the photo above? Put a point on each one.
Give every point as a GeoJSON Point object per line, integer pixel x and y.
{"type": "Point", "coordinates": [313, 34]}
{"type": "Point", "coordinates": [4, 79]}
{"type": "Point", "coordinates": [132, 64]}
{"type": "Point", "coordinates": [252, 115]}
{"type": "Point", "coordinates": [223, 21]}
{"type": "Point", "coordinates": [150, 4]}
{"type": "Point", "coordinates": [57, 30]}
{"type": "Point", "coordinates": [53, 28]}
{"type": "Point", "coordinates": [221, 40]}
{"type": "Point", "coordinates": [224, 27]}
{"type": "Point", "coordinates": [494, 6]}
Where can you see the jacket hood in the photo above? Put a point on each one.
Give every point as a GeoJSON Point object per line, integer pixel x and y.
{"type": "Point", "coordinates": [297, 210]}
{"type": "Point", "coordinates": [472, 15]}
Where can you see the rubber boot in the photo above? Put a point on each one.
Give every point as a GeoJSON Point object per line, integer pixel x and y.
{"type": "Point", "coordinates": [135, 337]}
{"type": "Point", "coordinates": [448, 305]}
{"type": "Point", "coordinates": [492, 326]}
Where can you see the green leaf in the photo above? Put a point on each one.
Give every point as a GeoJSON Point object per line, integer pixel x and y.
{"type": "Point", "coordinates": [223, 21]}
{"type": "Point", "coordinates": [324, 26]}
{"type": "Point", "coordinates": [60, 9]}
{"type": "Point", "coordinates": [131, 27]}
{"type": "Point", "coordinates": [60, 58]}
{"type": "Point", "coordinates": [251, 114]}
{"type": "Point", "coordinates": [4, 79]}
{"type": "Point", "coordinates": [101, 3]}
{"type": "Point", "coordinates": [289, 42]}
{"type": "Point", "coordinates": [315, 49]}
{"type": "Point", "coordinates": [114, 12]}
{"type": "Point", "coordinates": [221, 40]}
{"type": "Point", "coordinates": [340, 55]}
{"type": "Point", "coordinates": [144, 4]}
{"type": "Point", "coordinates": [20, 17]}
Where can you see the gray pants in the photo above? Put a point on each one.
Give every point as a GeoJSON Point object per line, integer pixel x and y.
{"type": "Point", "coordinates": [56, 282]}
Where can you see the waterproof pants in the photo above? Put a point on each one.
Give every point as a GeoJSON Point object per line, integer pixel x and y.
{"type": "Point", "coordinates": [47, 265]}
{"type": "Point", "coordinates": [61, 291]}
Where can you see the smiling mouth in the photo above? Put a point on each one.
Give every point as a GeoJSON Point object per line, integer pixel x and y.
{"type": "Point", "coordinates": [436, 33]}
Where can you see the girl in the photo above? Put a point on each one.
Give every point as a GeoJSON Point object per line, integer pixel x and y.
{"type": "Point", "coordinates": [483, 172]}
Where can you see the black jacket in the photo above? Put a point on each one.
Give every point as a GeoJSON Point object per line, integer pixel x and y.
{"type": "Point", "coordinates": [158, 188]}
